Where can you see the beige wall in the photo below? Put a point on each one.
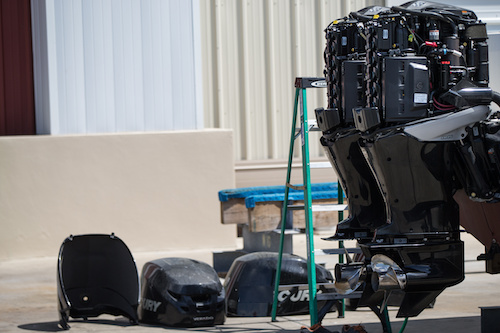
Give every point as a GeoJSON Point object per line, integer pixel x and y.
{"type": "Point", "coordinates": [156, 191]}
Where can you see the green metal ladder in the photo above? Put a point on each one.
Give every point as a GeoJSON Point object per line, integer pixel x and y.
{"type": "Point", "coordinates": [301, 84]}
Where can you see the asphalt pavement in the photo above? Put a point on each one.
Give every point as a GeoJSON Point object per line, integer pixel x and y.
{"type": "Point", "coordinates": [28, 301]}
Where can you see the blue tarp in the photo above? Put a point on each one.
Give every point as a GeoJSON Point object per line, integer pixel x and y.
{"type": "Point", "coordinates": [252, 195]}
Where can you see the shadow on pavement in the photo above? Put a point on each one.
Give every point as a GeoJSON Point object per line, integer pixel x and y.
{"type": "Point", "coordinates": [415, 325]}
{"type": "Point", "coordinates": [468, 324]}
{"type": "Point", "coordinates": [53, 326]}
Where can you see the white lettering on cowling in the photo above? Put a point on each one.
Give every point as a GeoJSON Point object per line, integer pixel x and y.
{"type": "Point", "coordinates": [300, 296]}
{"type": "Point", "coordinates": [150, 305]}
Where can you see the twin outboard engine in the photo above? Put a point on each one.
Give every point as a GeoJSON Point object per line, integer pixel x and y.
{"type": "Point", "coordinates": [408, 126]}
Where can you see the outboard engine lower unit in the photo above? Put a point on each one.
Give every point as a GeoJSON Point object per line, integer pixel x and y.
{"type": "Point", "coordinates": [181, 292]}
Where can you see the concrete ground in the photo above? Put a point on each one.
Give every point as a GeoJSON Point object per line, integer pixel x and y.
{"type": "Point", "coordinates": [28, 301]}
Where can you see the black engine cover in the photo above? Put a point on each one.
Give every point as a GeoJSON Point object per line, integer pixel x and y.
{"type": "Point", "coordinates": [249, 285]}
{"type": "Point", "coordinates": [181, 292]}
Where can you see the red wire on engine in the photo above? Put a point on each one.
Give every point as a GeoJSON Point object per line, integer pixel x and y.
{"type": "Point", "coordinates": [441, 106]}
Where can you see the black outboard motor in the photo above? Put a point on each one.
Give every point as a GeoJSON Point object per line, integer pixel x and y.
{"type": "Point", "coordinates": [420, 130]}
{"type": "Point", "coordinates": [181, 292]}
{"type": "Point", "coordinates": [96, 275]}
{"type": "Point", "coordinates": [344, 70]}
{"type": "Point", "coordinates": [249, 285]}
{"type": "Point", "coordinates": [365, 202]}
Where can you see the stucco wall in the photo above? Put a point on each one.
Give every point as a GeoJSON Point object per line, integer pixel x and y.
{"type": "Point", "coordinates": [156, 191]}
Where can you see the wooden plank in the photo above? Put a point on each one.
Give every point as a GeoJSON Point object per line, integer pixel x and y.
{"type": "Point", "coordinates": [266, 216]}
{"type": "Point", "coordinates": [234, 211]}
{"type": "Point", "coordinates": [320, 219]}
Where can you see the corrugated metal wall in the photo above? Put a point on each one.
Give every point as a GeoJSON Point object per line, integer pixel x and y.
{"type": "Point", "coordinates": [116, 65]}
{"type": "Point", "coordinates": [253, 50]}
{"type": "Point", "coordinates": [132, 65]}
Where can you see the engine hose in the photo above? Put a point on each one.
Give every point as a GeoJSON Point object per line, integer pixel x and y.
{"type": "Point", "coordinates": [360, 17]}
{"type": "Point", "coordinates": [495, 97]}
{"type": "Point", "coordinates": [428, 14]}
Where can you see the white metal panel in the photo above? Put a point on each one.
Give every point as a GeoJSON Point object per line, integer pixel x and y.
{"type": "Point", "coordinates": [127, 65]}
{"type": "Point", "coordinates": [230, 69]}
{"type": "Point", "coordinates": [69, 48]}
{"type": "Point", "coordinates": [98, 54]}
{"type": "Point", "coordinates": [255, 76]}
{"type": "Point", "coordinates": [280, 91]}
{"type": "Point", "coordinates": [117, 65]}
{"type": "Point", "coordinates": [494, 54]}
{"type": "Point", "coordinates": [209, 63]}
{"type": "Point", "coordinates": [253, 50]}
{"type": "Point", "coordinates": [310, 45]}
{"type": "Point", "coordinates": [158, 98]}
{"type": "Point", "coordinates": [198, 71]}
